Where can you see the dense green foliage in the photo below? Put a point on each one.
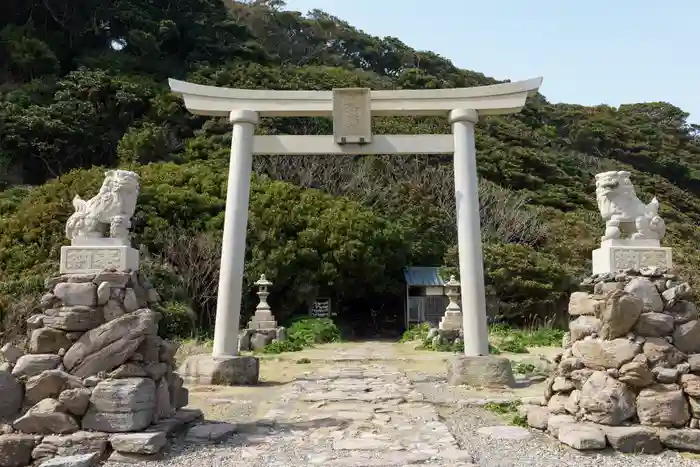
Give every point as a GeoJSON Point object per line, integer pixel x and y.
{"type": "Point", "coordinates": [83, 86]}
{"type": "Point", "coordinates": [305, 333]}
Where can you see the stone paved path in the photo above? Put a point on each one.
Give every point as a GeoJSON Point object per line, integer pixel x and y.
{"type": "Point", "coordinates": [359, 410]}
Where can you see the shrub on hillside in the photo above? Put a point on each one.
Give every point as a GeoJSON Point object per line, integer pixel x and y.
{"type": "Point", "coordinates": [307, 242]}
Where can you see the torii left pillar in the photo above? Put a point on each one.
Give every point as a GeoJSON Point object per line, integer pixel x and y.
{"type": "Point", "coordinates": [225, 365]}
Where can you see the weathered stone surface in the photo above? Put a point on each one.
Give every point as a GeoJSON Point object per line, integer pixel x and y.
{"type": "Point", "coordinates": [12, 395]}
{"type": "Point", "coordinates": [48, 340]}
{"type": "Point", "coordinates": [113, 309]}
{"type": "Point", "coordinates": [694, 363]}
{"type": "Point", "coordinates": [537, 417]}
{"type": "Point", "coordinates": [686, 337]}
{"type": "Point", "coordinates": [483, 371]}
{"type": "Point", "coordinates": [163, 408]}
{"type": "Point", "coordinates": [35, 322]}
{"type": "Point", "coordinates": [116, 422]}
{"type": "Point", "coordinates": [573, 403]}
{"type": "Point", "coordinates": [150, 349]}
{"type": "Point", "coordinates": [49, 384]}
{"type": "Point", "coordinates": [72, 294]}
{"type": "Point", "coordinates": [209, 433]}
{"type": "Point", "coordinates": [16, 449]}
{"type": "Point", "coordinates": [172, 425]}
{"type": "Point", "coordinates": [691, 384]}
{"type": "Point", "coordinates": [619, 314]}
{"type": "Point", "coordinates": [654, 324]}
{"type": "Point", "coordinates": [660, 353]}
{"type": "Point", "coordinates": [606, 400]}
{"type": "Point", "coordinates": [33, 364]}
{"type": "Point", "coordinates": [562, 384]}
{"type": "Point", "coordinates": [80, 460]}
{"type": "Point", "coordinates": [581, 303]}
{"type": "Point", "coordinates": [121, 405]}
{"type": "Point", "coordinates": [662, 405]}
{"type": "Point", "coordinates": [207, 369]}
{"type": "Point", "coordinates": [259, 340]}
{"type": "Point", "coordinates": [582, 436]}
{"type": "Point", "coordinates": [557, 421]}
{"type": "Point", "coordinates": [11, 353]}
{"type": "Point", "coordinates": [676, 293]}
{"type": "Point", "coordinates": [139, 443]}
{"type": "Point", "coordinates": [683, 439]}
{"type": "Point", "coordinates": [103, 293]}
{"type": "Point", "coordinates": [683, 312]}
{"type": "Point", "coordinates": [73, 318]}
{"type": "Point", "coordinates": [80, 442]}
{"type": "Point", "coordinates": [633, 439]}
{"type": "Point", "coordinates": [75, 400]}
{"type": "Point", "coordinates": [129, 370]}
{"type": "Point", "coordinates": [583, 326]}
{"type": "Point", "coordinates": [645, 289]}
{"type": "Point", "coordinates": [636, 374]}
{"type": "Point", "coordinates": [114, 279]}
{"type": "Point", "coordinates": [599, 355]}
{"type": "Point", "coordinates": [666, 375]}
{"type": "Point", "coordinates": [45, 418]}
{"type": "Point", "coordinates": [108, 346]}
{"type": "Point", "coordinates": [557, 404]}
{"type": "Point", "coordinates": [124, 395]}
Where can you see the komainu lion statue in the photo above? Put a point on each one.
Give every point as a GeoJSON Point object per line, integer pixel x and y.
{"type": "Point", "coordinates": [623, 212]}
{"type": "Point", "coordinates": [112, 208]}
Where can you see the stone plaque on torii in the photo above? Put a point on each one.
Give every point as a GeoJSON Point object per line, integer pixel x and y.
{"type": "Point", "coordinates": [352, 111]}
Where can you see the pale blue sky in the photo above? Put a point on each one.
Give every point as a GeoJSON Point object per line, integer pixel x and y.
{"type": "Point", "coordinates": [589, 52]}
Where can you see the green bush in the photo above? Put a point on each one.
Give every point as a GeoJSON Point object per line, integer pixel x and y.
{"type": "Point", "coordinates": [178, 321]}
{"type": "Point", "coordinates": [311, 331]}
{"type": "Point", "coordinates": [416, 332]}
{"type": "Point", "coordinates": [305, 332]}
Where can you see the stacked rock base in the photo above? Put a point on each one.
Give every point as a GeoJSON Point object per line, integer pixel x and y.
{"type": "Point", "coordinates": [630, 372]}
{"type": "Point", "coordinates": [97, 382]}
{"type": "Point", "coordinates": [256, 339]}
{"type": "Point", "coordinates": [445, 337]}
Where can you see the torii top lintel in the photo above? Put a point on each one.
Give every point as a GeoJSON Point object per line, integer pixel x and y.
{"type": "Point", "coordinates": [487, 100]}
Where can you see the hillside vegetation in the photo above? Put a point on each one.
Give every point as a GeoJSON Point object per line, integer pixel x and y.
{"type": "Point", "coordinates": [83, 86]}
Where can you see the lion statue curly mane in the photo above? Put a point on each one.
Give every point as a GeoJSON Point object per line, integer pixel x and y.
{"type": "Point", "coordinates": [110, 210]}
{"type": "Point", "coordinates": [623, 212]}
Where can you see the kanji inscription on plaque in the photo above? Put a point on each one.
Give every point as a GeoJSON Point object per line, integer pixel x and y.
{"type": "Point", "coordinates": [352, 119]}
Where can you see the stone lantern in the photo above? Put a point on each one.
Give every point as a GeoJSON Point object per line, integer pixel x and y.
{"type": "Point", "coordinates": [452, 320]}
{"type": "Point", "coordinates": [263, 318]}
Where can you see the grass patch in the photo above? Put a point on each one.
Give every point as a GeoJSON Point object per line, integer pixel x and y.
{"type": "Point", "coordinates": [524, 368]}
{"type": "Point", "coordinates": [509, 411]}
{"type": "Point", "coordinates": [303, 361]}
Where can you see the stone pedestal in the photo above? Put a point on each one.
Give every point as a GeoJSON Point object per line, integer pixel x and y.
{"type": "Point", "coordinates": [262, 319]}
{"type": "Point", "coordinates": [92, 259]}
{"type": "Point", "coordinates": [239, 370]}
{"type": "Point", "coordinates": [618, 255]}
{"type": "Point", "coordinates": [483, 371]}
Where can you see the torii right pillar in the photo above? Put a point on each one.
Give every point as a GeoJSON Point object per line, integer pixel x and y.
{"type": "Point", "coordinates": [476, 367]}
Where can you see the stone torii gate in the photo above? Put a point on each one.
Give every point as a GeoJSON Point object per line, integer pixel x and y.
{"type": "Point", "coordinates": [352, 110]}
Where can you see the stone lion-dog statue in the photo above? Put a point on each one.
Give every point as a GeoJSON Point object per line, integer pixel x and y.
{"type": "Point", "coordinates": [623, 212]}
{"type": "Point", "coordinates": [112, 208]}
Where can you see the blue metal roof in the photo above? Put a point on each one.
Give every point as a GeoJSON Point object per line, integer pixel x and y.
{"type": "Point", "coordinates": [423, 276]}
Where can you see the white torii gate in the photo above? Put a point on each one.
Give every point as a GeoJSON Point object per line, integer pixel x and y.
{"type": "Point", "coordinates": [351, 110]}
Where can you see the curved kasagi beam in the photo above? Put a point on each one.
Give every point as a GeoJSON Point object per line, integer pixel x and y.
{"type": "Point", "coordinates": [487, 100]}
